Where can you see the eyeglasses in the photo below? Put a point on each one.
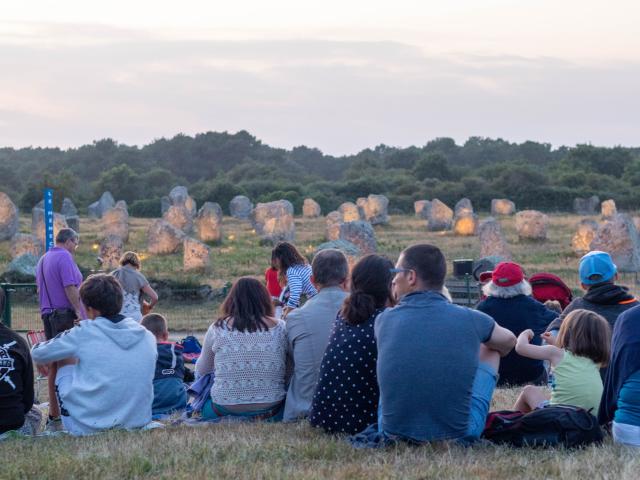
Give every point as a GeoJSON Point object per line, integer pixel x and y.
{"type": "Point", "coordinates": [401, 270]}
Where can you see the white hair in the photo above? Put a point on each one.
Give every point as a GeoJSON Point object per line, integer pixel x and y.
{"type": "Point", "coordinates": [490, 289]}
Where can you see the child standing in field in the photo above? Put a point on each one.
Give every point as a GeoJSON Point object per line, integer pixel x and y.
{"type": "Point", "coordinates": [576, 355]}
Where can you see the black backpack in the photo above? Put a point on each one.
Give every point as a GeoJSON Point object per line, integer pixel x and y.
{"type": "Point", "coordinates": [553, 425]}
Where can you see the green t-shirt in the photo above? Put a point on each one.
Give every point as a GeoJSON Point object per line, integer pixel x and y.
{"type": "Point", "coordinates": [577, 382]}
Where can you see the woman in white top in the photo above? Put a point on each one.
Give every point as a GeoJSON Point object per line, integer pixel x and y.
{"type": "Point", "coordinates": [134, 284]}
{"type": "Point", "coordinates": [246, 350]}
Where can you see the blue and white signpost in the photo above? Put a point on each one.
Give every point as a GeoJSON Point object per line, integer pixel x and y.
{"type": "Point", "coordinates": [48, 219]}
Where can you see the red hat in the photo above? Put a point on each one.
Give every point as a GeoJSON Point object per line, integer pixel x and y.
{"type": "Point", "coordinates": [485, 276]}
{"type": "Point", "coordinates": [507, 274]}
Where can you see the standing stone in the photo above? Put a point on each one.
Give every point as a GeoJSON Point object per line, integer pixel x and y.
{"type": "Point", "coordinates": [22, 269]}
{"type": "Point", "coordinates": [586, 232]}
{"type": "Point", "coordinates": [73, 221]}
{"type": "Point", "coordinates": [273, 221]}
{"type": "Point", "coordinates": [179, 217]}
{"type": "Point", "coordinates": [115, 221]}
{"type": "Point", "coordinates": [240, 207]}
{"type": "Point", "coordinates": [465, 224]}
{"type": "Point", "coordinates": [421, 208]}
{"type": "Point", "coordinates": [163, 238]}
{"type": "Point", "coordinates": [532, 225]}
{"type": "Point", "coordinates": [209, 222]}
{"type": "Point", "coordinates": [608, 209]}
{"type": "Point", "coordinates": [350, 212]}
{"type": "Point", "coordinates": [361, 234]}
{"type": "Point", "coordinates": [165, 204]}
{"type": "Point", "coordinates": [439, 216]}
{"type": "Point", "coordinates": [97, 209]}
{"type": "Point", "coordinates": [179, 196]}
{"type": "Point", "coordinates": [463, 207]}
{"type": "Point", "coordinates": [351, 251]}
{"type": "Point", "coordinates": [636, 222]}
{"type": "Point", "coordinates": [68, 208]}
{"type": "Point", "coordinates": [23, 243]}
{"type": "Point", "coordinates": [38, 224]}
{"type": "Point", "coordinates": [333, 222]}
{"type": "Point", "coordinates": [492, 241]}
{"type": "Point", "coordinates": [111, 249]}
{"type": "Point", "coordinates": [619, 238]}
{"type": "Point", "coordinates": [9, 220]}
{"type": "Point", "coordinates": [502, 206]}
{"type": "Point", "coordinates": [374, 208]}
{"type": "Point", "coordinates": [196, 254]}
{"type": "Point", "coordinates": [586, 206]}
{"type": "Point", "coordinates": [311, 208]}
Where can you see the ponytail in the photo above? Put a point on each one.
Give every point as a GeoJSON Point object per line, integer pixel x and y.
{"type": "Point", "coordinates": [358, 308]}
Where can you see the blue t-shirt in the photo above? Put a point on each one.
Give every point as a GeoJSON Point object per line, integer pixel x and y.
{"type": "Point", "coordinates": [628, 410]}
{"type": "Point", "coordinates": [427, 360]}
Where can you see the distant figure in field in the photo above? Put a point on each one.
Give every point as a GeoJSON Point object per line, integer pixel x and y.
{"type": "Point", "coordinates": [598, 275]}
{"type": "Point", "coordinates": [169, 393]}
{"type": "Point", "coordinates": [621, 397]}
{"type": "Point", "coordinates": [576, 356]}
{"type": "Point", "coordinates": [437, 362]}
{"type": "Point", "coordinates": [308, 329]}
{"type": "Point", "coordinates": [134, 284]}
{"type": "Point", "coordinates": [293, 271]}
{"type": "Point", "coordinates": [509, 302]}
{"type": "Point", "coordinates": [109, 362]}
{"type": "Point", "coordinates": [246, 350]}
{"type": "Point", "coordinates": [349, 406]}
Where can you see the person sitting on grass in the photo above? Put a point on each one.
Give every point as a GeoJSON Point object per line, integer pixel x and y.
{"type": "Point", "coordinates": [17, 411]}
{"type": "Point", "coordinates": [107, 377]}
{"type": "Point", "coordinates": [293, 271]}
{"type": "Point", "coordinates": [580, 349]}
{"type": "Point", "coordinates": [346, 397]}
{"type": "Point", "coordinates": [169, 393]}
{"type": "Point", "coordinates": [246, 350]}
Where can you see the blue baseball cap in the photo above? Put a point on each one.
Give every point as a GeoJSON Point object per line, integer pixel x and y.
{"type": "Point", "coordinates": [596, 267]}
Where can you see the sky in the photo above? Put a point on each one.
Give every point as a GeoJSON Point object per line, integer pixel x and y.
{"type": "Point", "coordinates": [340, 76]}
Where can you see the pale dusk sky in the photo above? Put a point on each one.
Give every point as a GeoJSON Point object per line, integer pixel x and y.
{"type": "Point", "coordinates": [337, 75]}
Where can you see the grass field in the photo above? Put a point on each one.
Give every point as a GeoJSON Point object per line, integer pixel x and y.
{"type": "Point", "coordinates": [241, 254]}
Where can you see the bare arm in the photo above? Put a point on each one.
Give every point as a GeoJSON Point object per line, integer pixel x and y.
{"type": "Point", "coordinates": [73, 295]}
{"type": "Point", "coordinates": [544, 352]}
{"type": "Point", "coordinates": [151, 293]}
{"type": "Point", "coordinates": [502, 340]}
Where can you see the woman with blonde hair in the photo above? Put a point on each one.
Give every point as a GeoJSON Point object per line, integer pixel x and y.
{"type": "Point", "coordinates": [134, 286]}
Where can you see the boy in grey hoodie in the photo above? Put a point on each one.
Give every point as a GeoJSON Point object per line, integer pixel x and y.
{"type": "Point", "coordinates": [111, 383]}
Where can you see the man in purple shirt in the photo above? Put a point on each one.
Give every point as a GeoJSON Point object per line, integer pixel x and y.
{"type": "Point", "coordinates": [58, 279]}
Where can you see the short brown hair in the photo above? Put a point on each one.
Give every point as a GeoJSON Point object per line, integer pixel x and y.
{"type": "Point", "coordinates": [156, 324]}
{"type": "Point", "coordinates": [428, 262]}
{"type": "Point", "coordinates": [586, 334]}
{"type": "Point", "coordinates": [130, 258]}
{"type": "Point", "coordinates": [329, 267]}
{"type": "Point", "coordinates": [103, 293]}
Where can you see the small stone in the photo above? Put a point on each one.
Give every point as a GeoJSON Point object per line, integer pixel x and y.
{"type": "Point", "coordinates": [38, 224]}
{"type": "Point", "coordinates": [492, 240]}
{"type": "Point", "coordinates": [115, 221]}
{"type": "Point", "coordinates": [350, 212]}
{"type": "Point", "coordinates": [22, 269]}
{"type": "Point", "coordinates": [532, 225]}
{"type": "Point", "coordinates": [9, 220]}
{"type": "Point", "coordinates": [421, 208]}
{"type": "Point", "coordinates": [68, 208]}
{"type": "Point", "coordinates": [240, 207]}
{"type": "Point", "coordinates": [273, 221]}
{"type": "Point", "coordinates": [586, 206]}
{"type": "Point", "coordinates": [209, 222]}
{"type": "Point", "coordinates": [23, 243]}
{"type": "Point", "coordinates": [586, 232]}
{"type": "Point", "coordinates": [163, 238]}
{"type": "Point", "coordinates": [311, 208]}
{"type": "Point", "coordinates": [619, 238]}
{"type": "Point", "coordinates": [180, 217]}
{"type": "Point", "coordinates": [463, 207]}
{"type": "Point", "coordinates": [97, 209]}
{"type": "Point", "coordinates": [73, 221]}
{"type": "Point", "coordinates": [333, 222]}
{"type": "Point", "coordinates": [439, 216]}
{"type": "Point", "coordinates": [111, 250]}
{"type": "Point", "coordinates": [608, 209]}
{"type": "Point", "coordinates": [502, 206]}
{"type": "Point", "coordinates": [465, 224]}
{"type": "Point", "coordinates": [374, 209]}
{"type": "Point", "coordinates": [361, 234]}
{"type": "Point", "coordinates": [196, 255]}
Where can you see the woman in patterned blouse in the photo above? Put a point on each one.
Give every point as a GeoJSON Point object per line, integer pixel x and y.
{"type": "Point", "coordinates": [346, 397]}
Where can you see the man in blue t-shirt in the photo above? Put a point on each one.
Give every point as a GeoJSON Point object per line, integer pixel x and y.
{"type": "Point", "coordinates": [437, 362]}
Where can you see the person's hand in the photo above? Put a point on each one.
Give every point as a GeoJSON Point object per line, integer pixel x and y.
{"type": "Point", "coordinates": [549, 338]}
{"type": "Point", "coordinates": [526, 336]}
{"type": "Point", "coordinates": [146, 307]}
{"type": "Point", "coordinates": [43, 369]}
{"type": "Point", "coordinates": [285, 312]}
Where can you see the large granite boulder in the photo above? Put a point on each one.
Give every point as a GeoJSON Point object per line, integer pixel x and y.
{"type": "Point", "coordinates": [73, 221]}
{"type": "Point", "coordinates": [351, 251]}
{"type": "Point", "coordinates": [163, 238]}
{"type": "Point", "coordinates": [111, 250]}
{"type": "Point", "coordinates": [38, 223]}
{"type": "Point", "coordinates": [22, 243]}
{"type": "Point", "coordinates": [240, 207]}
{"type": "Point", "coordinates": [350, 212]}
{"type": "Point", "coordinates": [22, 269]}
{"type": "Point", "coordinates": [619, 238]}
{"type": "Point", "coordinates": [492, 240]}
{"type": "Point", "coordinates": [9, 220]}
{"type": "Point", "coordinates": [333, 222]}
{"type": "Point", "coordinates": [463, 207]}
{"type": "Point", "coordinates": [115, 221]}
{"type": "Point", "coordinates": [311, 208]}
{"type": "Point", "coordinates": [374, 209]}
{"type": "Point", "coordinates": [502, 206]}
{"type": "Point", "coordinates": [97, 209]}
{"type": "Point", "coordinates": [421, 208]}
{"type": "Point", "coordinates": [273, 221]}
{"type": "Point", "coordinates": [465, 224]}
{"type": "Point", "coordinates": [439, 216]}
{"type": "Point", "coordinates": [180, 217]}
{"type": "Point", "coordinates": [179, 196]}
{"type": "Point", "coordinates": [586, 206]}
{"type": "Point", "coordinates": [532, 225]}
{"type": "Point", "coordinates": [209, 222]}
{"type": "Point", "coordinates": [68, 208]}
{"type": "Point", "coordinates": [608, 209]}
{"type": "Point", "coordinates": [585, 233]}
{"type": "Point", "coordinates": [196, 255]}
{"type": "Point", "coordinates": [361, 234]}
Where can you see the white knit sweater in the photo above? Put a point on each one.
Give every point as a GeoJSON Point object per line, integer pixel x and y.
{"type": "Point", "coordinates": [248, 367]}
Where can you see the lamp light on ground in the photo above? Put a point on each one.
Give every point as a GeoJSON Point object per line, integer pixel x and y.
{"type": "Point", "coordinates": [95, 246]}
{"type": "Point", "coordinates": [231, 238]}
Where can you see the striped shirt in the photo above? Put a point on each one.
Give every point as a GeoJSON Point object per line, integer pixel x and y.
{"type": "Point", "coordinates": [299, 283]}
